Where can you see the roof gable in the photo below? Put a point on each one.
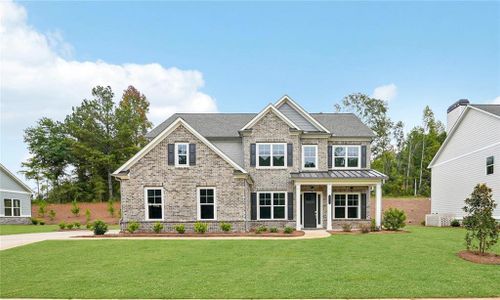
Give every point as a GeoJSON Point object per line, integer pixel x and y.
{"type": "Point", "coordinates": [265, 111]}
{"type": "Point", "coordinates": [296, 113]}
{"type": "Point", "coordinates": [9, 181]}
{"type": "Point", "coordinates": [165, 133]}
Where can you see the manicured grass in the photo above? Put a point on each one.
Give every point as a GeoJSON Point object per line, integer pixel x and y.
{"type": "Point", "coordinates": [18, 229]}
{"type": "Point", "coordinates": [422, 263]}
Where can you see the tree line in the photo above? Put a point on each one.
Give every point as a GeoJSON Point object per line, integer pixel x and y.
{"type": "Point", "coordinates": [74, 159]}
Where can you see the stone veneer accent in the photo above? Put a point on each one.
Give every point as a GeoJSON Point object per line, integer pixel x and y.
{"type": "Point", "coordinates": [15, 220]}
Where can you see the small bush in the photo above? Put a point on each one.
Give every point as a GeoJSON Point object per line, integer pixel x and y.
{"type": "Point", "coordinates": [111, 209]}
{"type": "Point", "coordinates": [88, 226]}
{"type": "Point", "coordinates": [52, 214]}
{"type": "Point", "coordinates": [273, 229]}
{"type": "Point", "coordinates": [41, 222]}
{"type": "Point", "coordinates": [373, 226]}
{"type": "Point", "coordinates": [200, 227]}
{"type": "Point", "coordinates": [87, 216]}
{"type": "Point", "coordinates": [346, 227]}
{"type": "Point", "coordinates": [180, 228]}
{"type": "Point", "coordinates": [365, 228]}
{"type": "Point", "coordinates": [288, 230]}
{"type": "Point", "coordinates": [261, 229]}
{"type": "Point", "coordinates": [394, 219]}
{"type": "Point", "coordinates": [69, 226]}
{"type": "Point", "coordinates": [34, 221]}
{"type": "Point", "coordinates": [99, 227]}
{"type": "Point", "coordinates": [77, 225]}
{"type": "Point", "coordinates": [455, 223]}
{"type": "Point", "coordinates": [157, 227]}
{"type": "Point", "coordinates": [226, 227]}
{"type": "Point", "coordinates": [75, 209]}
{"type": "Point", "coordinates": [422, 223]}
{"type": "Point", "coordinates": [132, 226]}
{"type": "Point", "coordinates": [62, 225]}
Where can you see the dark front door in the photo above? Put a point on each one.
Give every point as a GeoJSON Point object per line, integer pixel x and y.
{"type": "Point", "coordinates": [310, 210]}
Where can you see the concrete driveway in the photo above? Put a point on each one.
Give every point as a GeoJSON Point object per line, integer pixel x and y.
{"type": "Point", "coordinates": [16, 240]}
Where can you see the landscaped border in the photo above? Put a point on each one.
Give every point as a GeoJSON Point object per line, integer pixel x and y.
{"type": "Point", "coordinates": [197, 235]}
{"type": "Point", "coordinates": [334, 232]}
{"type": "Point", "coordinates": [486, 259]}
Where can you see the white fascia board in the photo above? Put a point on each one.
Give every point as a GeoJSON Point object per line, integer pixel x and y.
{"type": "Point", "coordinates": [301, 111]}
{"type": "Point", "coordinates": [14, 177]}
{"type": "Point", "coordinates": [179, 121]}
{"type": "Point", "coordinates": [268, 108]}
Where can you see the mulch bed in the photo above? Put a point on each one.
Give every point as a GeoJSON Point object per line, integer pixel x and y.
{"type": "Point", "coordinates": [475, 257]}
{"type": "Point", "coordinates": [333, 232]}
{"type": "Point", "coordinates": [187, 234]}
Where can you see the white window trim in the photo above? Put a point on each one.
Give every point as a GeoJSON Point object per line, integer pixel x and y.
{"type": "Point", "coordinates": [315, 157]}
{"type": "Point", "coordinates": [346, 156]}
{"type": "Point", "coordinates": [12, 207]}
{"type": "Point", "coordinates": [272, 205]}
{"type": "Point", "coordinates": [490, 165]}
{"type": "Point", "coordinates": [346, 206]}
{"type": "Point", "coordinates": [257, 162]}
{"type": "Point", "coordinates": [146, 204]}
{"type": "Point", "coordinates": [198, 205]}
{"type": "Point", "coordinates": [177, 155]}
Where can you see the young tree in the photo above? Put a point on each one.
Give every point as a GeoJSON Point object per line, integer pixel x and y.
{"type": "Point", "coordinates": [479, 222]}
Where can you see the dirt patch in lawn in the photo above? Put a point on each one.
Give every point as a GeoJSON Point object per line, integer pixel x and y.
{"type": "Point", "coordinates": [208, 234]}
{"type": "Point", "coordinates": [98, 211]}
{"type": "Point", "coordinates": [332, 232]}
{"type": "Point", "coordinates": [475, 257]}
{"type": "Point", "coordinates": [415, 208]}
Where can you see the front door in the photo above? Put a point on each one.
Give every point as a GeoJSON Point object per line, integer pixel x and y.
{"type": "Point", "coordinates": [310, 210]}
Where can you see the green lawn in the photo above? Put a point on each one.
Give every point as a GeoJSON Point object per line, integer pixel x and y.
{"type": "Point", "coordinates": [422, 263]}
{"type": "Point", "coordinates": [18, 229]}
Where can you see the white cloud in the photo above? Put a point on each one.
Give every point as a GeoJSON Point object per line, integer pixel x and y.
{"type": "Point", "coordinates": [385, 92]}
{"type": "Point", "coordinates": [496, 100]}
{"type": "Point", "coordinates": [39, 78]}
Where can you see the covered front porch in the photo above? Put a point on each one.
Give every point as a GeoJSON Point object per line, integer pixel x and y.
{"type": "Point", "coordinates": [329, 199]}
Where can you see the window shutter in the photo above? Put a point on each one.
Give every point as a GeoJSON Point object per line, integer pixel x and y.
{"type": "Point", "coordinates": [171, 154]}
{"type": "Point", "coordinates": [363, 206]}
{"type": "Point", "coordinates": [290, 206]}
{"type": "Point", "coordinates": [289, 154]}
{"type": "Point", "coordinates": [252, 155]}
{"type": "Point", "coordinates": [192, 154]}
{"type": "Point", "coordinates": [363, 157]}
{"type": "Point", "coordinates": [253, 206]}
{"type": "Point", "coordinates": [330, 165]}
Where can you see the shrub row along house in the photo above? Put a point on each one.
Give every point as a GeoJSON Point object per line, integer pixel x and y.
{"type": "Point", "coordinates": [280, 167]}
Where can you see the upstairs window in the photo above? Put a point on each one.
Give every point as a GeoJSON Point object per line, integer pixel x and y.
{"type": "Point", "coordinates": [490, 163]}
{"type": "Point", "coordinates": [181, 154]}
{"type": "Point", "coordinates": [154, 204]}
{"type": "Point", "coordinates": [346, 156]}
{"type": "Point", "coordinates": [12, 207]}
{"type": "Point", "coordinates": [206, 204]}
{"type": "Point", "coordinates": [271, 155]}
{"type": "Point", "coordinates": [310, 157]}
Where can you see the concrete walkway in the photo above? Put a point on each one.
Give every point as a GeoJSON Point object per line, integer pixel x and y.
{"type": "Point", "coordinates": [16, 240]}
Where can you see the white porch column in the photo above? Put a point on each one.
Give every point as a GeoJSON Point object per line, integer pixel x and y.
{"type": "Point", "coordinates": [378, 205]}
{"type": "Point", "coordinates": [297, 206]}
{"type": "Point", "coordinates": [329, 199]}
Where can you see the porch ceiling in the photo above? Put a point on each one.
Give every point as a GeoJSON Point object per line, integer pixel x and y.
{"type": "Point", "coordinates": [341, 174]}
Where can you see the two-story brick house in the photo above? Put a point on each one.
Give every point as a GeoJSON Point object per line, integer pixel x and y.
{"type": "Point", "coordinates": [280, 167]}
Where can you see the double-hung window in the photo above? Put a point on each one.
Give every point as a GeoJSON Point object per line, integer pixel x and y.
{"type": "Point", "coordinates": [346, 156]}
{"type": "Point", "coordinates": [181, 154]}
{"type": "Point", "coordinates": [154, 203]}
{"type": "Point", "coordinates": [310, 157]}
{"type": "Point", "coordinates": [490, 163]}
{"type": "Point", "coordinates": [271, 155]}
{"type": "Point", "coordinates": [272, 205]}
{"type": "Point", "coordinates": [206, 204]}
{"type": "Point", "coordinates": [347, 206]}
{"type": "Point", "coordinates": [12, 207]}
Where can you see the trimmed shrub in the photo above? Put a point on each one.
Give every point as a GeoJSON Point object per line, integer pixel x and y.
{"type": "Point", "coordinates": [77, 225]}
{"type": "Point", "coordinates": [52, 214]}
{"type": "Point", "coordinates": [346, 227]}
{"type": "Point", "coordinates": [455, 223]}
{"type": "Point", "coordinates": [157, 227]}
{"type": "Point", "coordinates": [69, 226]}
{"type": "Point", "coordinates": [62, 225]}
{"type": "Point", "coordinates": [365, 228]}
{"type": "Point", "coordinates": [273, 229]}
{"type": "Point", "coordinates": [89, 225]}
{"type": "Point", "coordinates": [132, 226]}
{"type": "Point", "coordinates": [226, 227]}
{"type": "Point", "coordinates": [422, 223]}
{"type": "Point", "coordinates": [200, 227]}
{"type": "Point", "coordinates": [41, 222]}
{"type": "Point", "coordinates": [288, 230]}
{"type": "Point", "coordinates": [261, 229]}
{"type": "Point", "coordinates": [34, 221]}
{"type": "Point", "coordinates": [373, 226]}
{"type": "Point", "coordinates": [180, 228]}
{"type": "Point", "coordinates": [75, 209]}
{"type": "Point", "coordinates": [394, 219]}
{"type": "Point", "coordinates": [99, 227]}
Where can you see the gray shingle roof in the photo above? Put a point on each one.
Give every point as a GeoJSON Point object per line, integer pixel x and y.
{"type": "Point", "coordinates": [212, 125]}
{"type": "Point", "coordinates": [491, 108]}
{"type": "Point", "coordinates": [339, 174]}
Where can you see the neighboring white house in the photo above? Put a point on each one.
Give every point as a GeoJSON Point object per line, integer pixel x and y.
{"type": "Point", "coordinates": [15, 199]}
{"type": "Point", "coordinates": [469, 155]}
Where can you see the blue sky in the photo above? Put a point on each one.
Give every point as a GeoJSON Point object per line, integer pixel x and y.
{"type": "Point", "coordinates": [245, 55]}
